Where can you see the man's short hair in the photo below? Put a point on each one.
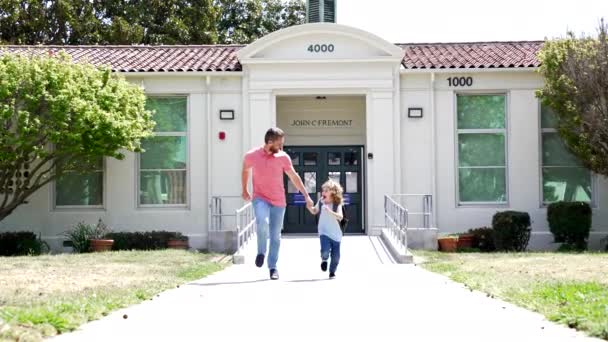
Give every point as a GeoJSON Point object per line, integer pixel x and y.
{"type": "Point", "coordinates": [272, 134]}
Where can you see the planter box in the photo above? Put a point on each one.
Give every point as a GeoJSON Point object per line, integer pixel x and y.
{"type": "Point", "coordinates": [177, 244]}
{"type": "Point", "coordinates": [101, 245]}
{"type": "Point", "coordinates": [448, 244]}
{"type": "Point", "coordinates": [465, 241]}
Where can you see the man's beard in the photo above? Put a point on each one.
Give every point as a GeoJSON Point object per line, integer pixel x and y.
{"type": "Point", "coordinates": [274, 149]}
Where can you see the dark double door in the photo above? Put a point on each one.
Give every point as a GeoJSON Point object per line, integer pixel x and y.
{"type": "Point", "coordinates": [315, 165]}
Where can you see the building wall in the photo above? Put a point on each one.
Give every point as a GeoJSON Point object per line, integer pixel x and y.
{"type": "Point", "coordinates": [292, 110]}
{"type": "Point", "coordinates": [410, 155]}
{"type": "Point", "coordinates": [266, 84]}
{"type": "Point", "coordinates": [416, 143]}
{"type": "Point", "coordinates": [523, 148]}
{"type": "Point", "coordinates": [120, 210]}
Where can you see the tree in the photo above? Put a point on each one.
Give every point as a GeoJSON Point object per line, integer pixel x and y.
{"type": "Point", "coordinates": [108, 22]}
{"type": "Point", "coordinates": [58, 117]}
{"type": "Point", "coordinates": [24, 22]}
{"type": "Point", "coordinates": [159, 21]}
{"type": "Point", "coordinates": [144, 21]}
{"type": "Point", "coordinates": [576, 88]}
{"type": "Point", "coordinates": [243, 21]}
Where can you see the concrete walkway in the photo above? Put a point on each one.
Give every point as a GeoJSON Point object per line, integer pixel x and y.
{"type": "Point", "coordinates": [371, 299]}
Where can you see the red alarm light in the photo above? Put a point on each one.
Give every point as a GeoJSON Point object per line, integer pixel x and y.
{"type": "Point", "coordinates": [222, 135]}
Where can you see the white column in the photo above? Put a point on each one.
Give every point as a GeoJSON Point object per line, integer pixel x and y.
{"type": "Point", "coordinates": [397, 129]}
{"type": "Point", "coordinates": [380, 142]}
{"type": "Point", "coordinates": [260, 116]}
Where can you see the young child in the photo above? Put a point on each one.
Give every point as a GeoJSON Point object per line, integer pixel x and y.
{"type": "Point", "coordinates": [329, 226]}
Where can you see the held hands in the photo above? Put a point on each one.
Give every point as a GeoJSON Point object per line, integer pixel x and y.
{"type": "Point", "coordinates": [309, 202]}
{"type": "Point", "coordinates": [310, 205]}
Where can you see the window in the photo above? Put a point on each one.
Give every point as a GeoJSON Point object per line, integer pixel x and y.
{"type": "Point", "coordinates": [163, 166]}
{"type": "Point", "coordinates": [563, 176]}
{"type": "Point", "coordinates": [481, 135]}
{"type": "Point", "coordinates": [80, 189]}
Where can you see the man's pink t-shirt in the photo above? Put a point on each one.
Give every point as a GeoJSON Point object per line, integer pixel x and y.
{"type": "Point", "coordinates": [268, 172]}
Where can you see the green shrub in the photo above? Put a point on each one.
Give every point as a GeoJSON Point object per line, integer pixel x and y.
{"type": "Point", "coordinates": [21, 243]}
{"type": "Point", "coordinates": [143, 240]}
{"type": "Point", "coordinates": [604, 241]}
{"type": "Point", "coordinates": [570, 223]}
{"type": "Point", "coordinates": [79, 236]}
{"type": "Point", "coordinates": [483, 239]}
{"type": "Point", "coordinates": [179, 236]}
{"type": "Point", "coordinates": [567, 248]}
{"type": "Point", "coordinates": [511, 230]}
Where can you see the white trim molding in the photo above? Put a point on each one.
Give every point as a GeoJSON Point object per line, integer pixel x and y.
{"type": "Point", "coordinates": [245, 55]}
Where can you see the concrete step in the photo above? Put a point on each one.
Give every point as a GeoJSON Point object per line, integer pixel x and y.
{"type": "Point", "coordinates": [400, 255]}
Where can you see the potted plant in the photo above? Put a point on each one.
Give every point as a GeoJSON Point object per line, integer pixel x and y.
{"type": "Point", "coordinates": [448, 243]}
{"type": "Point", "coordinates": [78, 237]}
{"type": "Point", "coordinates": [465, 240]}
{"type": "Point", "coordinates": [98, 240]}
{"type": "Point", "coordinates": [178, 241]}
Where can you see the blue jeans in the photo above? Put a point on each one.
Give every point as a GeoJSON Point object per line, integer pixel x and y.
{"type": "Point", "coordinates": [329, 246]}
{"type": "Point", "coordinates": [269, 222]}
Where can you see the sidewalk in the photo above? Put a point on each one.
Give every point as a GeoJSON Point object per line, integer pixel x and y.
{"type": "Point", "coordinates": [371, 300]}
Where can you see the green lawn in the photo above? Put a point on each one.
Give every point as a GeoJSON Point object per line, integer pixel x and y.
{"type": "Point", "coordinates": [571, 289]}
{"type": "Point", "coordinates": [46, 295]}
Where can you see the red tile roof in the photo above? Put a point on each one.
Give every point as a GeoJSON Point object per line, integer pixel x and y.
{"type": "Point", "coordinates": [471, 55]}
{"type": "Point", "coordinates": [183, 58]}
{"type": "Point", "coordinates": [165, 58]}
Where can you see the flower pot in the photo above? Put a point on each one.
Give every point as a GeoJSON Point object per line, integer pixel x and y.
{"type": "Point", "coordinates": [101, 245]}
{"type": "Point", "coordinates": [447, 244]}
{"type": "Point", "coordinates": [177, 244]}
{"type": "Point", "coordinates": [465, 241]}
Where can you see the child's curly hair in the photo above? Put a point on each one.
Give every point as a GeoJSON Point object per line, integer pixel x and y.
{"type": "Point", "coordinates": [335, 189]}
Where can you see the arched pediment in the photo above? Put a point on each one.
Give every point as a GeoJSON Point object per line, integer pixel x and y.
{"type": "Point", "coordinates": [319, 42]}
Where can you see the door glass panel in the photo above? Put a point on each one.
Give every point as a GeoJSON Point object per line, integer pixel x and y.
{"type": "Point", "coordinates": [295, 158]}
{"type": "Point", "coordinates": [334, 158]}
{"type": "Point", "coordinates": [310, 158]}
{"type": "Point", "coordinates": [310, 182]}
{"type": "Point", "coordinates": [350, 158]}
{"type": "Point", "coordinates": [351, 182]}
{"type": "Point", "coordinates": [334, 176]}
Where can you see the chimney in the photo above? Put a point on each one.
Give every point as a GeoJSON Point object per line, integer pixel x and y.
{"type": "Point", "coordinates": [321, 11]}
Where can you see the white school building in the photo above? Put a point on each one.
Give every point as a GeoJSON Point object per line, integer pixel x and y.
{"type": "Point", "coordinates": [455, 126]}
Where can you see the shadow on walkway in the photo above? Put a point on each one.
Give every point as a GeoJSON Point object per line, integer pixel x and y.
{"type": "Point", "coordinates": [306, 280]}
{"type": "Point", "coordinates": [230, 282]}
{"type": "Point", "coordinates": [256, 281]}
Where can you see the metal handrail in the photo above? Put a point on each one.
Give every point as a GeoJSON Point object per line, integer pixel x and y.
{"type": "Point", "coordinates": [243, 219]}
{"type": "Point", "coordinates": [396, 219]}
{"type": "Point", "coordinates": [427, 207]}
{"type": "Point", "coordinates": [245, 225]}
{"type": "Point", "coordinates": [216, 212]}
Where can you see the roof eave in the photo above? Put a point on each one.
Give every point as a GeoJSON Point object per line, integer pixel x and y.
{"type": "Point", "coordinates": [466, 70]}
{"type": "Point", "coordinates": [182, 73]}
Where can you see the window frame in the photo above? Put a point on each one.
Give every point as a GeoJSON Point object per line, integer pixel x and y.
{"type": "Point", "coordinates": [505, 131]}
{"type": "Point", "coordinates": [593, 181]}
{"type": "Point", "coordinates": [138, 169]}
{"type": "Point", "coordinates": [104, 192]}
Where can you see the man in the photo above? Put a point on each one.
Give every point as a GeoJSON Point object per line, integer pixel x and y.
{"type": "Point", "coordinates": [268, 164]}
